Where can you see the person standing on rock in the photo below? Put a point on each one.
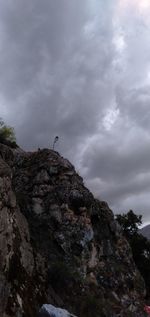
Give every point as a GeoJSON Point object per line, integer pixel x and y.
{"type": "Point", "coordinates": [55, 140]}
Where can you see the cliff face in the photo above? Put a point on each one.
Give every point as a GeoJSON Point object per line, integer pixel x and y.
{"type": "Point", "coordinates": [59, 245]}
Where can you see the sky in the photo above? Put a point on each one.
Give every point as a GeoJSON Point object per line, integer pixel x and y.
{"type": "Point", "coordinates": [81, 70]}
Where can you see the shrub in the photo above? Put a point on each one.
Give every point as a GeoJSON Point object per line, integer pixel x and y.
{"type": "Point", "coordinates": [139, 244]}
{"type": "Point", "coordinates": [7, 133]}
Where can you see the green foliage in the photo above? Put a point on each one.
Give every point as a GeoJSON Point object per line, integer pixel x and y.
{"type": "Point", "coordinates": [129, 223]}
{"type": "Point", "coordinates": [139, 244]}
{"type": "Point", "coordinates": [7, 133]}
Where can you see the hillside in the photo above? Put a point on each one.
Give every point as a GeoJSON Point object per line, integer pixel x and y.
{"type": "Point", "coordinates": [59, 245]}
{"type": "Point", "coordinates": [145, 231]}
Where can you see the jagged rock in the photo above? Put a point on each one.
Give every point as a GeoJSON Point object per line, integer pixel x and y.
{"type": "Point", "coordinates": [51, 311]}
{"type": "Point", "coordinates": [58, 244]}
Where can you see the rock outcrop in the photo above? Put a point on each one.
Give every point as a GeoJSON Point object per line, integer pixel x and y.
{"type": "Point", "coordinates": [59, 245]}
{"type": "Point", "coordinates": [52, 311]}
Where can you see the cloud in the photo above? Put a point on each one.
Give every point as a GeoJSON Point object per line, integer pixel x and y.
{"type": "Point", "coordinates": [80, 70]}
{"type": "Point", "coordinates": [52, 56]}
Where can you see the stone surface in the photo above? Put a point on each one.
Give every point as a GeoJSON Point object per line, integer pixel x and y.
{"type": "Point", "coordinates": [52, 311]}
{"type": "Point", "coordinates": [59, 245]}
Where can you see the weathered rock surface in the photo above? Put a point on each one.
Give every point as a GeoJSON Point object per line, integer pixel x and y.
{"type": "Point", "coordinates": [52, 311]}
{"type": "Point", "coordinates": [58, 245]}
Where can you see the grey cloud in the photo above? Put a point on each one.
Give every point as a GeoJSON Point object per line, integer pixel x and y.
{"type": "Point", "coordinates": [57, 70]}
{"type": "Point", "coordinates": [135, 106]}
{"type": "Point", "coordinates": [117, 156]}
{"type": "Point", "coordinates": [61, 74]}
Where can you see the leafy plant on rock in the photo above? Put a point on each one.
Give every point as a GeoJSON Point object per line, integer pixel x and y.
{"type": "Point", "coordinates": [7, 134]}
{"type": "Point", "coordinates": [139, 244]}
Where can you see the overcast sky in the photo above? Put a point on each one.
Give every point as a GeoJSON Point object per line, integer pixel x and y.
{"type": "Point", "coordinates": [80, 69]}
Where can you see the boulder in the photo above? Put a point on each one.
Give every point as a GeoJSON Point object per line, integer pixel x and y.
{"type": "Point", "coordinates": [48, 310]}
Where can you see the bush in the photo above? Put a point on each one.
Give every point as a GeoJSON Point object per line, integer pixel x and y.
{"type": "Point", "coordinates": [7, 133]}
{"type": "Point", "coordinates": [139, 244]}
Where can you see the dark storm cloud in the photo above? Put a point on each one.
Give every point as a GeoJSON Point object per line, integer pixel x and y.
{"type": "Point", "coordinates": [77, 69]}
{"type": "Point", "coordinates": [118, 156]}
{"type": "Point", "coordinates": [52, 55]}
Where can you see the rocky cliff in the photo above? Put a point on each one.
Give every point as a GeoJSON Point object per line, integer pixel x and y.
{"type": "Point", "coordinates": [59, 245]}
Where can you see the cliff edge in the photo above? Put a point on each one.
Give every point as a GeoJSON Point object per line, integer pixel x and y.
{"type": "Point", "coordinates": [59, 245]}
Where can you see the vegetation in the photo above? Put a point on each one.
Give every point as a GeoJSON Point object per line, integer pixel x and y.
{"type": "Point", "coordinates": [7, 134]}
{"type": "Point", "coordinates": [130, 223]}
{"type": "Point", "coordinates": [61, 275]}
{"type": "Point", "coordinates": [139, 244]}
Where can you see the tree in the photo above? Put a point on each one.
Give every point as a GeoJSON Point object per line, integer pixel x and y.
{"type": "Point", "coordinates": [7, 134]}
{"type": "Point", "coordinates": [129, 223]}
{"type": "Point", "coordinates": [139, 244]}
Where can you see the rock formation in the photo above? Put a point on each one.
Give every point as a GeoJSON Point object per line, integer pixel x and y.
{"type": "Point", "coordinates": [52, 311]}
{"type": "Point", "coordinates": [59, 245]}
